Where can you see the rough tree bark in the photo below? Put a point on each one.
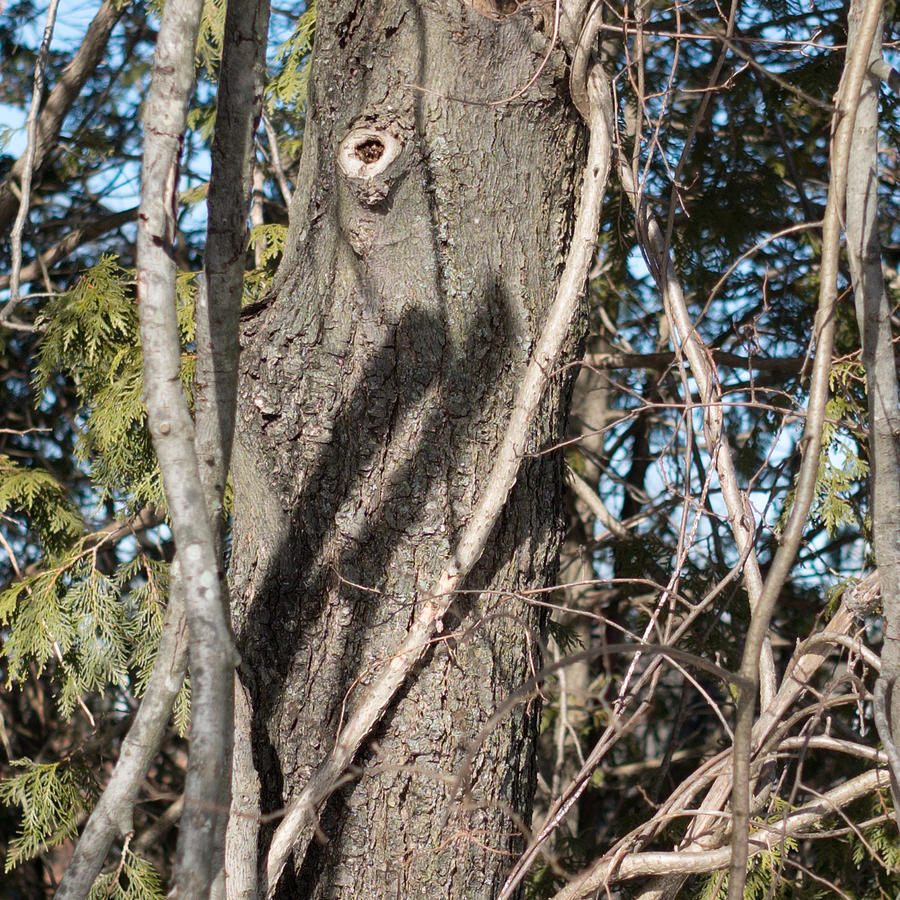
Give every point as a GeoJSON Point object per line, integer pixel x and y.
{"type": "Point", "coordinates": [429, 230]}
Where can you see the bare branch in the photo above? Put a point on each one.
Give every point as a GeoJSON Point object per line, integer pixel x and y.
{"type": "Point", "coordinates": [73, 239]}
{"type": "Point", "coordinates": [741, 517]}
{"type": "Point", "coordinates": [63, 95]}
{"type": "Point", "coordinates": [200, 858]}
{"type": "Point", "coordinates": [429, 619]}
{"type": "Point", "coordinates": [786, 365]}
{"type": "Point", "coordinates": [28, 168]}
{"type": "Point", "coordinates": [608, 870]}
{"type": "Point", "coordinates": [873, 313]}
{"type": "Point", "coordinates": [596, 505]}
{"type": "Point", "coordinates": [845, 116]}
{"type": "Point", "coordinates": [216, 313]}
{"type": "Point", "coordinates": [218, 305]}
{"type": "Point", "coordinates": [277, 166]}
{"type": "Point", "coordinates": [887, 73]}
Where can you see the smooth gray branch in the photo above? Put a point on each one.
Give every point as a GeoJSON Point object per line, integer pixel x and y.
{"type": "Point", "coordinates": [200, 856]}
{"type": "Point", "coordinates": [873, 315]}
{"type": "Point", "coordinates": [611, 870]}
{"type": "Point", "coordinates": [216, 312]}
{"type": "Point", "coordinates": [429, 620]}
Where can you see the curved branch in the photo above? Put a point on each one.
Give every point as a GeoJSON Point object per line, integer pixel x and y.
{"type": "Point", "coordinates": [60, 101]}
{"type": "Point", "coordinates": [429, 620]}
{"type": "Point", "coordinates": [608, 871]}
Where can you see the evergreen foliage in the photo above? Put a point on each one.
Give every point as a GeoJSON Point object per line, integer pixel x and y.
{"type": "Point", "coordinates": [52, 796]}
{"type": "Point", "coordinates": [134, 879]}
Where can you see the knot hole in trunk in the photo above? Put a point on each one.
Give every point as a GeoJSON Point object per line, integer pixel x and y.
{"type": "Point", "coordinates": [365, 157]}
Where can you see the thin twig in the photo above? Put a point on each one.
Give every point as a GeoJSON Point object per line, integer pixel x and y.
{"type": "Point", "coordinates": [28, 171]}
{"type": "Point", "coordinates": [64, 94]}
{"type": "Point", "coordinates": [283, 184]}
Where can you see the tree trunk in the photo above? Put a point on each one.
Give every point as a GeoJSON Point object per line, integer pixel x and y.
{"type": "Point", "coordinates": [429, 230]}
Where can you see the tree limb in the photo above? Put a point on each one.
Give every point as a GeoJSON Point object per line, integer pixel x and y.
{"type": "Point", "coordinates": [216, 314]}
{"type": "Point", "coordinates": [687, 341]}
{"type": "Point", "coordinates": [200, 856]}
{"type": "Point", "coordinates": [73, 239]}
{"type": "Point", "coordinates": [60, 101]}
{"type": "Point", "coordinates": [873, 314]}
{"type": "Point", "coordinates": [845, 115]}
{"type": "Point", "coordinates": [608, 871]}
{"type": "Point", "coordinates": [28, 167]}
{"type": "Point", "coordinates": [786, 365]}
{"type": "Point", "coordinates": [429, 620]}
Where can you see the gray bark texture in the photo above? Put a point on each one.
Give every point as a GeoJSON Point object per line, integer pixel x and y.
{"type": "Point", "coordinates": [428, 236]}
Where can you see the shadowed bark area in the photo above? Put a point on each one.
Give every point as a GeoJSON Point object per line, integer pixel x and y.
{"type": "Point", "coordinates": [376, 385]}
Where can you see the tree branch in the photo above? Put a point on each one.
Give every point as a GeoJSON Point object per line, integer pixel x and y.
{"type": "Point", "coordinates": [873, 314]}
{"type": "Point", "coordinates": [28, 167]}
{"type": "Point", "coordinates": [63, 95]}
{"type": "Point", "coordinates": [200, 857]}
{"type": "Point", "coordinates": [687, 341]}
{"type": "Point", "coordinates": [788, 365]}
{"type": "Point", "coordinates": [608, 870]}
{"type": "Point", "coordinates": [844, 118]}
{"type": "Point", "coordinates": [429, 620]}
{"type": "Point", "coordinates": [216, 313]}
{"type": "Point", "coordinates": [73, 239]}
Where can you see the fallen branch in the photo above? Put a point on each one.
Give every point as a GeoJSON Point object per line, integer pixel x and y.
{"type": "Point", "coordinates": [606, 871]}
